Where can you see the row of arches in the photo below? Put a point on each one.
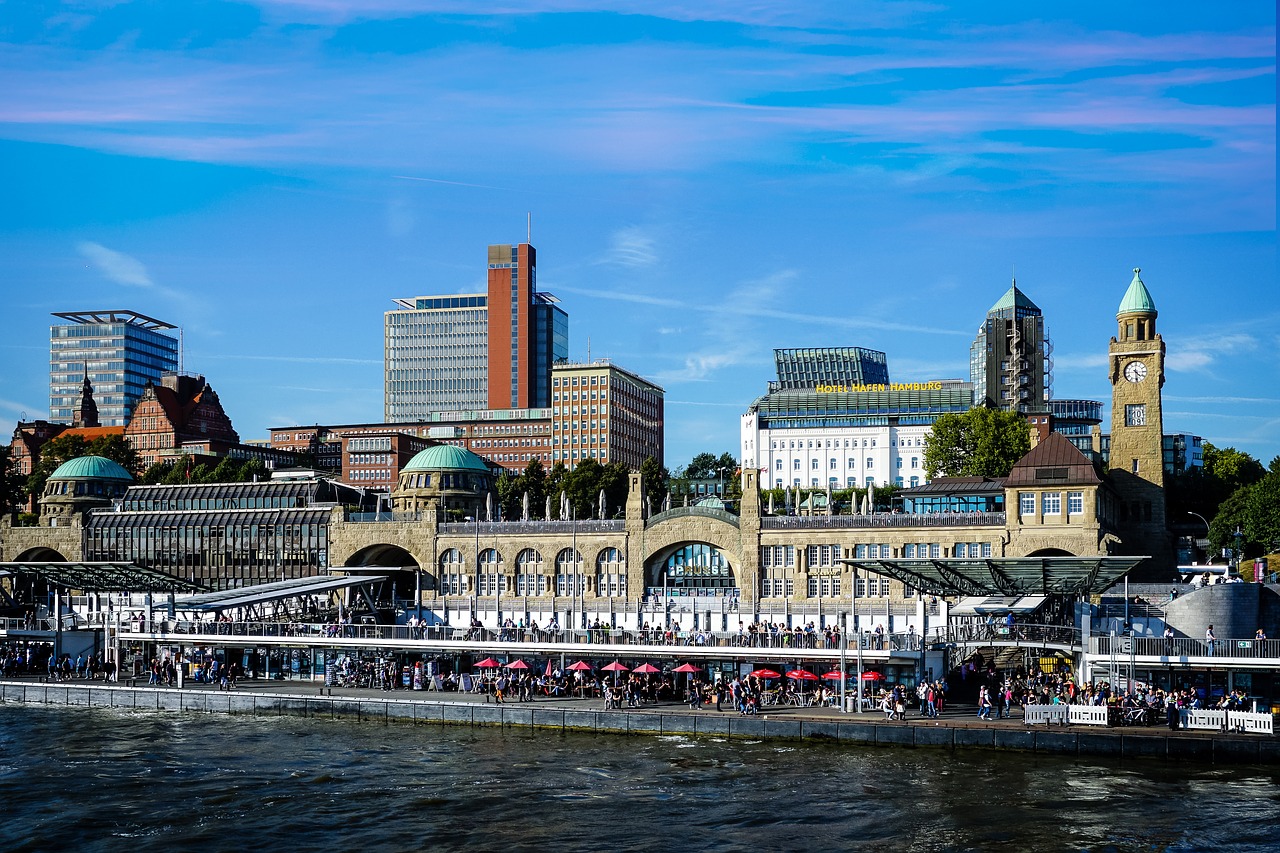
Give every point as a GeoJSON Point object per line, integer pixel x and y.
{"type": "Point", "coordinates": [568, 574]}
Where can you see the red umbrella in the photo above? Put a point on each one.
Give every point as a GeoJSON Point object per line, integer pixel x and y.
{"type": "Point", "coordinates": [688, 667]}
{"type": "Point", "coordinates": [488, 663]}
{"type": "Point", "coordinates": [765, 673]}
{"type": "Point", "coordinates": [834, 675]}
{"type": "Point", "coordinates": [802, 675]}
{"type": "Point", "coordinates": [872, 676]}
{"type": "Point", "coordinates": [614, 667]}
{"type": "Point", "coordinates": [549, 668]}
{"type": "Point", "coordinates": [580, 666]}
{"type": "Point", "coordinates": [517, 664]}
{"type": "Point", "coordinates": [646, 669]}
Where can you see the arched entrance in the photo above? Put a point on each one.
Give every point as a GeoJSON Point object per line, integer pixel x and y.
{"type": "Point", "coordinates": [407, 581]}
{"type": "Point", "coordinates": [694, 578]}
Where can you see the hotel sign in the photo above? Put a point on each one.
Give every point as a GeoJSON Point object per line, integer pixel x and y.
{"type": "Point", "coordinates": [891, 386]}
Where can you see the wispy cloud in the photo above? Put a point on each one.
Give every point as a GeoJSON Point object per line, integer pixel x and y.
{"type": "Point", "coordinates": [116, 266]}
{"type": "Point", "coordinates": [633, 247]}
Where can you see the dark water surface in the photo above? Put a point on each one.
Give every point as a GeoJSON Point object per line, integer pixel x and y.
{"type": "Point", "coordinates": [141, 781]}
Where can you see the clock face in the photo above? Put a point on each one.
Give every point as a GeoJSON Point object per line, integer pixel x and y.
{"type": "Point", "coordinates": [1135, 371]}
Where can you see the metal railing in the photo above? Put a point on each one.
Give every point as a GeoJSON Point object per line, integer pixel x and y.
{"type": "Point", "coordinates": [692, 512]}
{"type": "Point", "coordinates": [519, 528]}
{"type": "Point", "coordinates": [797, 640]}
{"type": "Point", "coordinates": [886, 520]}
{"type": "Point", "coordinates": [1182, 647]}
{"type": "Point", "coordinates": [1001, 634]}
{"type": "Point", "coordinates": [366, 517]}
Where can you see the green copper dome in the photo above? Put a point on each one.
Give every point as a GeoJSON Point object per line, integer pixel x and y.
{"type": "Point", "coordinates": [1014, 298]}
{"type": "Point", "coordinates": [91, 468]}
{"type": "Point", "coordinates": [1137, 299]}
{"type": "Point", "coordinates": [446, 457]}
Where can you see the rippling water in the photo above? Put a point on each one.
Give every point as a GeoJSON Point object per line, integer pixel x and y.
{"type": "Point", "coordinates": [138, 781]}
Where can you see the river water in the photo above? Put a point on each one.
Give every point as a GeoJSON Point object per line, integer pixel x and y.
{"type": "Point", "coordinates": [80, 779]}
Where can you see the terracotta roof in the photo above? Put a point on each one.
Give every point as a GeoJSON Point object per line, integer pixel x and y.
{"type": "Point", "coordinates": [1054, 461]}
{"type": "Point", "coordinates": [90, 433]}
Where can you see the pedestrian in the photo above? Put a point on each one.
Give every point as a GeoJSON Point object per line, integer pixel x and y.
{"type": "Point", "coordinates": [1209, 640]}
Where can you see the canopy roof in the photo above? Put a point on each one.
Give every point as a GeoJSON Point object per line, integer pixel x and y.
{"type": "Point", "coordinates": [1014, 576]}
{"type": "Point", "coordinates": [101, 577]}
{"type": "Point", "coordinates": [247, 596]}
{"type": "Point", "coordinates": [984, 605]}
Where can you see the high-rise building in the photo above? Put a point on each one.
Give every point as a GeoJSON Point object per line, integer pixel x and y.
{"type": "Point", "coordinates": [119, 352]}
{"type": "Point", "coordinates": [1010, 362]}
{"type": "Point", "coordinates": [600, 411]}
{"type": "Point", "coordinates": [475, 351]}
{"type": "Point", "coordinates": [807, 367]}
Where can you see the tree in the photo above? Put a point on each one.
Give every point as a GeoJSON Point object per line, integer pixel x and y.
{"type": "Point", "coordinates": [252, 471]}
{"type": "Point", "coordinates": [154, 474]}
{"type": "Point", "coordinates": [12, 488]}
{"type": "Point", "coordinates": [655, 478]}
{"type": "Point", "coordinates": [981, 442]}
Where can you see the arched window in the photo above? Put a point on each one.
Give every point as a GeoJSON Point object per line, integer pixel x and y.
{"type": "Point", "coordinates": [834, 464]}
{"type": "Point", "coordinates": [569, 572]}
{"type": "Point", "coordinates": [696, 566]}
{"type": "Point", "coordinates": [611, 574]}
{"type": "Point", "coordinates": [453, 577]}
{"type": "Point", "coordinates": [490, 578]}
{"type": "Point", "coordinates": [529, 577]}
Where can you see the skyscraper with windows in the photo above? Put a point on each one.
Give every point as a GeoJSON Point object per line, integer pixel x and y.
{"type": "Point", "coordinates": [475, 351]}
{"type": "Point", "coordinates": [117, 351]}
{"type": "Point", "coordinates": [803, 368]}
{"type": "Point", "coordinates": [1010, 361]}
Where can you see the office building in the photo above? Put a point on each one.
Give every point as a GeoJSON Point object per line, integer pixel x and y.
{"type": "Point", "coordinates": [601, 411]}
{"type": "Point", "coordinates": [475, 351]}
{"type": "Point", "coordinates": [119, 352]}
{"type": "Point", "coordinates": [1010, 361]}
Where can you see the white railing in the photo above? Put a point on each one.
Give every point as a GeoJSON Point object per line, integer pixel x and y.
{"type": "Point", "coordinates": [1250, 723]}
{"type": "Point", "coordinates": [1087, 715]}
{"type": "Point", "coordinates": [1200, 718]}
{"type": "Point", "coordinates": [1048, 714]}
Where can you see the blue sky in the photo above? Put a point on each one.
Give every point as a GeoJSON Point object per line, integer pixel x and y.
{"type": "Point", "coordinates": [707, 181]}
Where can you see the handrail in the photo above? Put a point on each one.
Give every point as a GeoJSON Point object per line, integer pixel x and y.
{"type": "Point", "coordinates": [589, 636]}
{"type": "Point", "coordinates": [883, 520]}
{"type": "Point", "coordinates": [999, 634]}
{"type": "Point", "coordinates": [1183, 647]}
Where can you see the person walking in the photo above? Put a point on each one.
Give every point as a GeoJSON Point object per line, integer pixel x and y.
{"type": "Point", "coordinates": [1209, 640]}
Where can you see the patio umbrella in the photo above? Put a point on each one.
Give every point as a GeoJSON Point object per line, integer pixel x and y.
{"type": "Point", "coordinates": [872, 676]}
{"type": "Point", "coordinates": [614, 667]}
{"type": "Point", "coordinates": [765, 673]}
{"type": "Point", "coordinates": [581, 666]}
{"type": "Point", "coordinates": [834, 675]}
{"type": "Point", "coordinates": [487, 663]}
{"type": "Point", "coordinates": [688, 667]}
{"type": "Point", "coordinates": [646, 669]}
{"type": "Point", "coordinates": [802, 675]}
{"type": "Point", "coordinates": [550, 669]}
{"type": "Point", "coordinates": [517, 664]}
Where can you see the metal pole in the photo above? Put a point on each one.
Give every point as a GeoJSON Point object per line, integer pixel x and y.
{"type": "Point", "coordinates": [853, 595]}
{"type": "Point", "coordinates": [844, 672]}
{"type": "Point", "coordinates": [475, 589]}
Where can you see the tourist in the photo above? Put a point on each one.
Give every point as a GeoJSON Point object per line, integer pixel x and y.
{"type": "Point", "coordinates": [1209, 640]}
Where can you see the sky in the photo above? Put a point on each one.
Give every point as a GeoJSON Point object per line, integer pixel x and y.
{"type": "Point", "coordinates": [706, 181]}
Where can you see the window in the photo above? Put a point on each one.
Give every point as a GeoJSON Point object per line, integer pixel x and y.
{"type": "Point", "coordinates": [1051, 503]}
{"type": "Point", "coordinates": [778, 465]}
{"type": "Point", "coordinates": [1075, 503]}
{"type": "Point", "coordinates": [814, 464]}
{"type": "Point", "coordinates": [795, 466]}
{"type": "Point", "coordinates": [834, 464]}
{"type": "Point", "coordinates": [853, 463]}
{"type": "Point", "coordinates": [871, 463]}
{"type": "Point", "coordinates": [1135, 414]}
{"type": "Point", "coordinates": [1026, 503]}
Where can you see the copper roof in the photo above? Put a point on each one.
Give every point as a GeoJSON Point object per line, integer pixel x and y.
{"type": "Point", "coordinates": [1054, 461]}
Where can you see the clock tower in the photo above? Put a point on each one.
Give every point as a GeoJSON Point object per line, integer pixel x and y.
{"type": "Point", "coordinates": [1136, 367]}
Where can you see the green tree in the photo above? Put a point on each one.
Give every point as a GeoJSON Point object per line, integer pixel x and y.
{"type": "Point", "coordinates": [655, 478]}
{"type": "Point", "coordinates": [981, 442]}
{"type": "Point", "coordinates": [1227, 469]}
{"type": "Point", "coordinates": [226, 471]}
{"type": "Point", "coordinates": [12, 487]}
{"type": "Point", "coordinates": [154, 474]}
{"type": "Point", "coordinates": [252, 471]}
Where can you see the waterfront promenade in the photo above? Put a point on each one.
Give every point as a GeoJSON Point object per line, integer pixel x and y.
{"type": "Point", "coordinates": [957, 729]}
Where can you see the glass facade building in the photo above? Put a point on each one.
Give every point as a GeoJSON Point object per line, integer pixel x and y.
{"type": "Point", "coordinates": [1010, 361]}
{"type": "Point", "coordinates": [804, 368]}
{"type": "Point", "coordinates": [475, 352]}
{"type": "Point", "coordinates": [120, 351]}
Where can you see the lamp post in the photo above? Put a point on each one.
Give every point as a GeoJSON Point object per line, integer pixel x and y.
{"type": "Point", "coordinates": [1203, 521]}
{"type": "Point", "coordinates": [1237, 542]}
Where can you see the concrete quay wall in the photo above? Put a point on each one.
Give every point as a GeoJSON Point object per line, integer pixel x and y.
{"type": "Point", "coordinates": [1109, 743]}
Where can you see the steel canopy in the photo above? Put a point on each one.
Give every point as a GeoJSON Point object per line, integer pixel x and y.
{"type": "Point", "coordinates": [1012, 576]}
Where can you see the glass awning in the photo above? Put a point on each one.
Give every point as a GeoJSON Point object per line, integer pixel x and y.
{"type": "Point", "coordinates": [100, 576]}
{"type": "Point", "coordinates": [1004, 576]}
{"type": "Point", "coordinates": [247, 596]}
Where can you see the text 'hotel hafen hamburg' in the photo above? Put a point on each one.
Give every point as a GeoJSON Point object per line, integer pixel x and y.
{"type": "Point", "coordinates": [1063, 526]}
{"type": "Point", "coordinates": [708, 561]}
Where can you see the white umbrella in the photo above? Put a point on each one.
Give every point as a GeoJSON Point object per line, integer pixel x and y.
{"type": "Point", "coordinates": [829, 512]}
{"type": "Point", "coordinates": [546, 513]}
{"type": "Point", "coordinates": [770, 503]}
{"type": "Point", "coordinates": [602, 506]}
{"type": "Point", "coordinates": [525, 506]}
{"type": "Point", "coordinates": [488, 506]}
{"type": "Point", "coordinates": [871, 497]}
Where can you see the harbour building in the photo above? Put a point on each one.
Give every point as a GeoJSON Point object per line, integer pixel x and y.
{"type": "Point", "coordinates": [119, 352]}
{"type": "Point", "coordinates": [475, 351]}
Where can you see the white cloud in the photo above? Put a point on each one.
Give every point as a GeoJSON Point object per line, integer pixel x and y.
{"type": "Point", "coordinates": [116, 266]}
{"type": "Point", "coordinates": [632, 247]}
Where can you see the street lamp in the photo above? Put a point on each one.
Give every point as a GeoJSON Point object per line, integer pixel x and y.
{"type": "Point", "coordinates": [1237, 541]}
{"type": "Point", "coordinates": [1203, 521]}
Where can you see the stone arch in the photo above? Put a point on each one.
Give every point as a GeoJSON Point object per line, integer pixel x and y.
{"type": "Point", "coordinates": [693, 565]}
{"type": "Point", "coordinates": [610, 572]}
{"type": "Point", "coordinates": [451, 568]}
{"type": "Point", "coordinates": [393, 557]}
{"type": "Point", "coordinates": [490, 572]}
{"type": "Point", "coordinates": [40, 554]}
{"type": "Point", "coordinates": [1051, 552]}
